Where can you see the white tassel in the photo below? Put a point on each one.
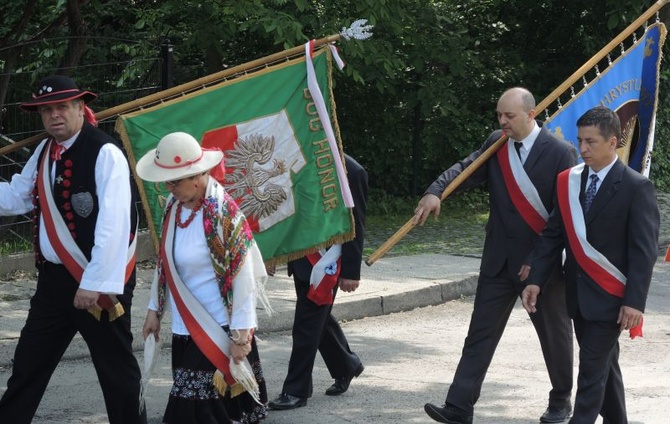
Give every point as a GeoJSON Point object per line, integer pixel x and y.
{"type": "Point", "coordinates": [262, 296]}
{"type": "Point", "coordinates": [243, 375]}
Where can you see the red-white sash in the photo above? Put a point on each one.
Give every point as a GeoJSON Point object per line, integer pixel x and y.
{"type": "Point", "coordinates": [64, 245]}
{"type": "Point", "coordinates": [594, 263]}
{"type": "Point", "coordinates": [325, 274]}
{"type": "Point", "coordinates": [207, 334]}
{"type": "Point", "coordinates": [521, 190]}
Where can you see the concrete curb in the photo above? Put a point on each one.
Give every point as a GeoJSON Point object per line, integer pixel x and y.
{"type": "Point", "coordinates": [393, 285]}
{"type": "Point", "coordinates": [282, 319]}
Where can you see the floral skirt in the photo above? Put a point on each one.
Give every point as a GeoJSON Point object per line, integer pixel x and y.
{"type": "Point", "coordinates": [193, 398]}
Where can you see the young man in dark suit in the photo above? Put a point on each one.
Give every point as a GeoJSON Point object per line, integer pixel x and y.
{"type": "Point", "coordinates": [315, 329]}
{"type": "Point", "coordinates": [521, 178]}
{"type": "Point", "coordinates": [608, 221]}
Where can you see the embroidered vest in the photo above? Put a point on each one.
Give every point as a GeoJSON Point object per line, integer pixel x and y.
{"type": "Point", "coordinates": [75, 190]}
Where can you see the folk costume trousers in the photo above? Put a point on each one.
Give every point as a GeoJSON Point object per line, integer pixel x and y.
{"type": "Point", "coordinates": [494, 300]}
{"type": "Point", "coordinates": [316, 330]}
{"type": "Point", "coordinates": [51, 325]}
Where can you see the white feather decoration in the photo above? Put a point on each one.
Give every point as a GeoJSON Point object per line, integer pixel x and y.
{"type": "Point", "coordinates": [152, 349]}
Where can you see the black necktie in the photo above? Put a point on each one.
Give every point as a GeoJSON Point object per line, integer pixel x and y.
{"type": "Point", "coordinates": [517, 146]}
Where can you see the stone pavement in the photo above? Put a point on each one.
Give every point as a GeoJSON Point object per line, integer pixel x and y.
{"type": "Point", "coordinates": [426, 341]}
{"type": "Point", "coordinates": [392, 284]}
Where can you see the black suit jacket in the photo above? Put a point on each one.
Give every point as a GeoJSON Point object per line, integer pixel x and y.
{"type": "Point", "coordinates": [509, 239]}
{"type": "Point", "coordinates": [352, 251]}
{"type": "Point", "coordinates": [622, 224]}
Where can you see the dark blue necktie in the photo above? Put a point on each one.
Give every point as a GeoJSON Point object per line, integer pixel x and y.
{"type": "Point", "coordinates": [590, 192]}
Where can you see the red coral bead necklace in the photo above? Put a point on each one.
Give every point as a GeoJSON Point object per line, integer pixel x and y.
{"type": "Point", "coordinates": [190, 218]}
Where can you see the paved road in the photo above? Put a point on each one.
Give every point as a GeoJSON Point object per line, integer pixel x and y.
{"type": "Point", "coordinates": [410, 358]}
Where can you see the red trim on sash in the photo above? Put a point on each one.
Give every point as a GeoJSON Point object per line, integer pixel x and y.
{"type": "Point", "coordinates": [105, 301]}
{"type": "Point", "coordinates": [70, 263]}
{"type": "Point", "coordinates": [215, 355]}
{"type": "Point", "coordinates": [323, 293]}
{"type": "Point", "coordinates": [534, 220]}
{"type": "Point", "coordinates": [597, 273]}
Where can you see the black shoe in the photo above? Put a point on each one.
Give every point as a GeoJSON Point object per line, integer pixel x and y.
{"type": "Point", "coordinates": [447, 414]}
{"type": "Point", "coordinates": [286, 401]}
{"type": "Point", "coordinates": [555, 414]}
{"type": "Point", "coordinates": [341, 384]}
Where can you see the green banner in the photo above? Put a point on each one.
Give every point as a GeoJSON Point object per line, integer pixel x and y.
{"type": "Point", "coordinates": [279, 166]}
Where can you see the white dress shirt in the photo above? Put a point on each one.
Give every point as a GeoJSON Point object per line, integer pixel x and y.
{"type": "Point", "coordinates": [105, 272]}
{"type": "Point", "coordinates": [194, 265]}
{"type": "Point", "coordinates": [528, 142]}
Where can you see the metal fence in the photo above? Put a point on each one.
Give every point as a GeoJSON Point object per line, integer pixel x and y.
{"type": "Point", "coordinates": [104, 79]}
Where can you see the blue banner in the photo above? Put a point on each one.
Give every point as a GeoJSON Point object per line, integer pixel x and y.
{"type": "Point", "coordinates": [630, 87]}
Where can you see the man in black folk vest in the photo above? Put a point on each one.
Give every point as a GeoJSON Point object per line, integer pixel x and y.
{"type": "Point", "coordinates": [78, 185]}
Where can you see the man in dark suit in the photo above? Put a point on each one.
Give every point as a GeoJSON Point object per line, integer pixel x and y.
{"type": "Point", "coordinates": [521, 178]}
{"type": "Point", "coordinates": [608, 221]}
{"type": "Point", "coordinates": [314, 327]}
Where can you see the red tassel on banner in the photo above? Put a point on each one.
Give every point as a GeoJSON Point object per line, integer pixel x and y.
{"type": "Point", "coordinates": [90, 116]}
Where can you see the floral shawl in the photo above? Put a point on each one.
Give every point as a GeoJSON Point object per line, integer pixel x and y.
{"type": "Point", "coordinates": [230, 242]}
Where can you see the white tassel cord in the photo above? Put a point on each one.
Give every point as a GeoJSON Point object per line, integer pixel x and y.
{"type": "Point", "coordinates": [243, 375]}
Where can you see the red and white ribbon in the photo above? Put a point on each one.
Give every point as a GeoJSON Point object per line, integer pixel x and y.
{"type": "Point", "coordinates": [320, 103]}
{"type": "Point", "coordinates": [523, 193]}
{"type": "Point", "coordinates": [594, 263]}
{"type": "Point", "coordinates": [205, 331]}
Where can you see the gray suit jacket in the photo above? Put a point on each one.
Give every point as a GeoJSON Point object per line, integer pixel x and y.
{"type": "Point", "coordinates": [509, 239]}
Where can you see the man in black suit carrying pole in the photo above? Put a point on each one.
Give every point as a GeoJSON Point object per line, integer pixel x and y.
{"type": "Point", "coordinates": [607, 219]}
{"type": "Point", "coordinates": [315, 329]}
{"type": "Point", "coordinates": [521, 178]}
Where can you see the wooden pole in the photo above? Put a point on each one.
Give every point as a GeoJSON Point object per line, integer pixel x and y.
{"type": "Point", "coordinates": [402, 231]}
{"type": "Point", "coordinates": [181, 89]}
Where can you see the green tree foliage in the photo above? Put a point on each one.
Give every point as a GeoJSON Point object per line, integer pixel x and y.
{"type": "Point", "coordinates": [413, 99]}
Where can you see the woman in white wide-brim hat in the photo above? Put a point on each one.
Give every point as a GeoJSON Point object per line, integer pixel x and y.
{"type": "Point", "coordinates": [212, 272]}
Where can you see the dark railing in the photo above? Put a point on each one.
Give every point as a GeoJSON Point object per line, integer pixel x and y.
{"type": "Point", "coordinates": [149, 76]}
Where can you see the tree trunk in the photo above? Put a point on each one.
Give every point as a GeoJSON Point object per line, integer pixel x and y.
{"type": "Point", "coordinates": [10, 64]}
{"type": "Point", "coordinates": [79, 37]}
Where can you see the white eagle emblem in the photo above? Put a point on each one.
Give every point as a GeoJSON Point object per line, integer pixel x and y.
{"type": "Point", "coordinates": [247, 179]}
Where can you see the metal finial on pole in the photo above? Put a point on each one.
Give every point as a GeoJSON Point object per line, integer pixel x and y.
{"type": "Point", "coordinates": [358, 30]}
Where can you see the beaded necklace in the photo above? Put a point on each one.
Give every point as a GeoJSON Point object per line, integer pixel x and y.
{"type": "Point", "coordinates": [190, 218]}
